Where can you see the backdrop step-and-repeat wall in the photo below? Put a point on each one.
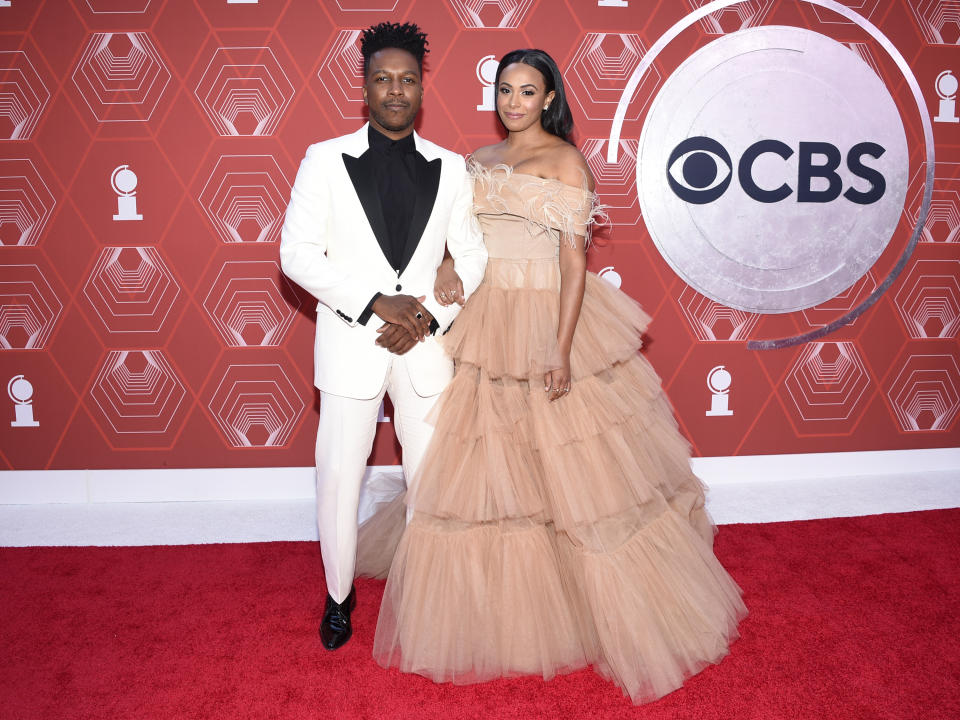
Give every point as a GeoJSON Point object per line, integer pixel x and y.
{"type": "Point", "coordinates": [782, 176]}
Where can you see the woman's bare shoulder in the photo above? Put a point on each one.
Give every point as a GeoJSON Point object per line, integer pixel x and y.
{"type": "Point", "coordinates": [570, 167]}
{"type": "Point", "coordinates": [487, 155]}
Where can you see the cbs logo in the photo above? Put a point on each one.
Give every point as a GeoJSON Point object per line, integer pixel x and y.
{"type": "Point", "coordinates": [699, 171]}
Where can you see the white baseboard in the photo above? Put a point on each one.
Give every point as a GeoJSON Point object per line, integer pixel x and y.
{"type": "Point", "coordinates": [813, 466]}
{"type": "Point", "coordinates": [169, 507]}
{"type": "Point", "coordinates": [19, 487]}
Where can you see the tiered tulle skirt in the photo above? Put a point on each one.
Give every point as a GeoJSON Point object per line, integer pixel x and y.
{"type": "Point", "coordinates": [547, 536]}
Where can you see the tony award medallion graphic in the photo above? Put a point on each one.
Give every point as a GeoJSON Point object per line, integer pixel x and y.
{"type": "Point", "coordinates": [946, 87]}
{"type": "Point", "coordinates": [611, 276]}
{"type": "Point", "coordinates": [124, 183]}
{"type": "Point", "coordinates": [487, 74]}
{"type": "Point", "coordinates": [21, 392]}
{"type": "Point", "coordinates": [718, 380]}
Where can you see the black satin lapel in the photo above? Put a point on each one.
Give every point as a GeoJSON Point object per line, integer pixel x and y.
{"type": "Point", "coordinates": [360, 171]}
{"type": "Point", "coordinates": [428, 182]}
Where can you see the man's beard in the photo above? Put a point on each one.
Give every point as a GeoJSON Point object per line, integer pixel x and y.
{"type": "Point", "coordinates": [394, 125]}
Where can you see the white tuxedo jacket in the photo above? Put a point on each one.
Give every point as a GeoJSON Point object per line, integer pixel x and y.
{"type": "Point", "coordinates": [331, 246]}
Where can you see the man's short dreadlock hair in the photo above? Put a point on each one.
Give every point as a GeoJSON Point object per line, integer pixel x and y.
{"type": "Point", "coordinates": [393, 35]}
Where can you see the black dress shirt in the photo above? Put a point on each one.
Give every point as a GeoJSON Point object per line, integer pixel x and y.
{"type": "Point", "coordinates": [395, 178]}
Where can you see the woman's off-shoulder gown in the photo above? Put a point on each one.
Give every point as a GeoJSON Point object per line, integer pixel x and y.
{"type": "Point", "coordinates": [547, 536]}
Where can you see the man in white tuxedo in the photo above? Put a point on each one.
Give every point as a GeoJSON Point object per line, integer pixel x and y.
{"type": "Point", "coordinates": [369, 217]}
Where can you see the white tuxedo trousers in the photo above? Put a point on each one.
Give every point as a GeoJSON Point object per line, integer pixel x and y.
{"type": "Point", "coordinates": [344, 441]}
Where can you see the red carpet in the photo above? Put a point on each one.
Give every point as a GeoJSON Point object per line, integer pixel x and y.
{"type": "Point", "coordinates": [850, 618]}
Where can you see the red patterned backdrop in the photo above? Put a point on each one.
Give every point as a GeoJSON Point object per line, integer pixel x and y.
{"type": "Point", "coordinates": [148, 149]}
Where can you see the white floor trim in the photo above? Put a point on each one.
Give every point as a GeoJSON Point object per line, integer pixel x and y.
{"type": "Point", "coordinates": [148, 507]}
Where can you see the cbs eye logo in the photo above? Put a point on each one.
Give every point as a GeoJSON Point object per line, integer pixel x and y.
{"type": "Point", "coordinates": [699, 171]}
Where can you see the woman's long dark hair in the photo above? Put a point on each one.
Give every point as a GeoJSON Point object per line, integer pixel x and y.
{"type": "Point", "coordinates": [556, 119]}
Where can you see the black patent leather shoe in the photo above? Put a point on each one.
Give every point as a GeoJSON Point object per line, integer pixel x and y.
{"type": "Point", "coordinates": [335, 628]}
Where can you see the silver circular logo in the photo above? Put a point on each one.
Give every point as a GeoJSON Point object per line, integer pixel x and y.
{"type": "Point", "coordinates": [772, 169]}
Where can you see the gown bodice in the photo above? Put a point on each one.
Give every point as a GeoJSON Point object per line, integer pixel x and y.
{"type": "Point", "coordinates": [526, 217]}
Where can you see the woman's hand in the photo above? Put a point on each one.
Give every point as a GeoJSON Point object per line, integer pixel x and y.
{"type": "Point", "coordinates": [557, 382]}
{"type": "Point", "coordinates": [448, 288]}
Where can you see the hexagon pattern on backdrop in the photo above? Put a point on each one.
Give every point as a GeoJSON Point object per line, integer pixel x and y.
{"type": "Point", "coordinates": [23, 95]}
{"type": "Point", "coordinates": [149, 311]}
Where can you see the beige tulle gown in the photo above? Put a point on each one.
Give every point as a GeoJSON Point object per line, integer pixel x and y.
{"type": "Point", "coordinates": [548, 536]}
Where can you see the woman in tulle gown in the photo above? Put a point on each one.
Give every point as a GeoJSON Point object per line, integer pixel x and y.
{"type": "Point", "coordinates": [556, 523]}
